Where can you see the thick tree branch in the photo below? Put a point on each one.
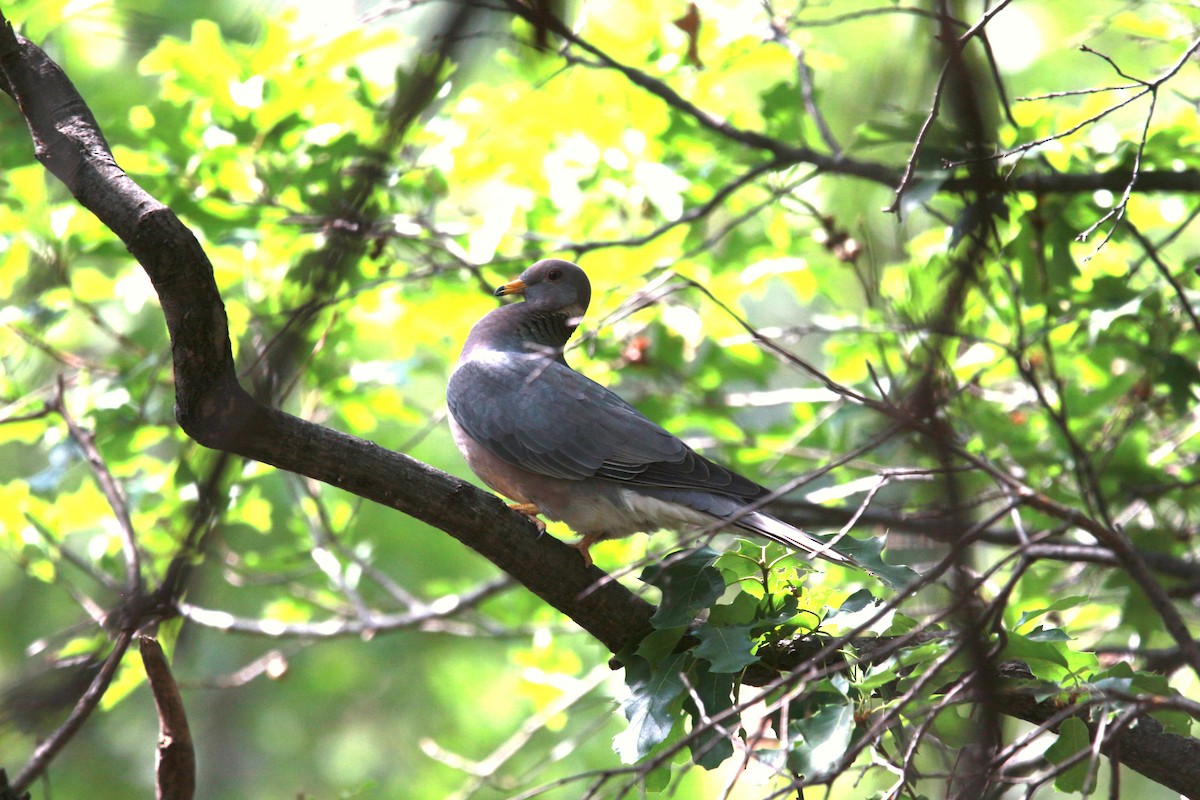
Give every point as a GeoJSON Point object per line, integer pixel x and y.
{"type": "Point", "coordinates": [213, 408]}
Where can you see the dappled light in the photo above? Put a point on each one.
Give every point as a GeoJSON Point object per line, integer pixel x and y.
{"type": "Point", "coordinates": [897, 307]}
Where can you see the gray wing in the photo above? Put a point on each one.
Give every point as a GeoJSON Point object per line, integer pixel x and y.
{"type": "Point", "coordinates": [544, 417]}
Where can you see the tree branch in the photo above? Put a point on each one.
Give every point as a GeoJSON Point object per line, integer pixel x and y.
{"type": "Point", "coordinates": [213, 408]}
{"type": "Point", "coordinates": [840, 164]}
{"type": "Point", "coordinates": [47, 750]}
{"type": "Point", "coordinates": [176, 770]}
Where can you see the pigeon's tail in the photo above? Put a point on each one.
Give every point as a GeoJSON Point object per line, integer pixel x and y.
{"type": "Point", "coordinates": [779, 531]}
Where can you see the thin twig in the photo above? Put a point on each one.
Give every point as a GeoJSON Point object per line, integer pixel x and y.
{"type": "Point", "coordinates": [374, 623]}
{"type": "Point", "coordinates": [112, 493]}
{"type": "Point", "coordinates": [48, 749]}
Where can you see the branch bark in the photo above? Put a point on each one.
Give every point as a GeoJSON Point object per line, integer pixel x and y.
{"type": "Point", "coordinates": [176, 768]}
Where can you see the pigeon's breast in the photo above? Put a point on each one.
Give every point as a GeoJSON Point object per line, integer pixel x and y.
{"type": "Point", "coordinates": [608, 510]}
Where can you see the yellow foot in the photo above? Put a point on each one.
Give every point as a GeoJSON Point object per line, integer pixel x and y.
{"type": "Point", "coordinates": [584, 545]}
{"type": "Point", "coordinates": [530, 510]}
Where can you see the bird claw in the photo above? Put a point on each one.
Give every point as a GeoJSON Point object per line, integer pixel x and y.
{"type": "Point", "coordinates": [530, 510]}
{"type": "Point", "coordinates": [584, 546]}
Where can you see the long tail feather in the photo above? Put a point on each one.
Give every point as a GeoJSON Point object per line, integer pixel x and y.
{"type": "Point", "coordinates": [779, 531]}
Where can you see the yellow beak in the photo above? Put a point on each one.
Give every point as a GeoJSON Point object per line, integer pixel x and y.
{"type": "Point", "coordinates": [515, 286]}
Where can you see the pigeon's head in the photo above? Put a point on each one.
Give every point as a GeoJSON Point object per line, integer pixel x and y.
{"type": "Point", "coordinates": [553, 286]}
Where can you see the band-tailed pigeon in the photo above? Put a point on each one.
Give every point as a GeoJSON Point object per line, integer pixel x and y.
{"type": "Point", "coordinates": [562, 445]}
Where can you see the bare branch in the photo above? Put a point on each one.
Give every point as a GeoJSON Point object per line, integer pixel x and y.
{"type": "Point", "coordinates": [176, 763]}
{"type": "Point", "coordinates": [47, 750]}
{"type": "Point", "coordinates": [367, 625]}
{"type": "Point", "coordinates": [112, 493]}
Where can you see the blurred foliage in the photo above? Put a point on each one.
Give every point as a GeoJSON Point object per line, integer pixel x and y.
{"type": "Point", "coordinates": [1069, 366]}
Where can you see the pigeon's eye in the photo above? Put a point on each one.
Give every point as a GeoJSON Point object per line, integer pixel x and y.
{"type": "Point", "coordinates": [554, 274]}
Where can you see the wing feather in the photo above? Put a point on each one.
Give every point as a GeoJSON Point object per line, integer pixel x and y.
{"type": "Point", "coordinates": [543, 416]}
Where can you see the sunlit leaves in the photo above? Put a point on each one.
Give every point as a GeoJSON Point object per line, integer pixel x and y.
{"type": "Point", "coordinates": [702, 662]}
{"type": "Point", "coordinates": [713, 730]}
{"type": "Point", "coordinates": [869, 553]}
{"type": "Point", "coordinates": [823, 738]}
{"type": "Point", "coordinates": [1046, 653]}
{"type": "Point", "coordinates": [1068, 366]}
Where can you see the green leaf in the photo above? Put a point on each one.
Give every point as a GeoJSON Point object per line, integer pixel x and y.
{"type": "Point", "coordinates": [1073, 737]}
{"type": "Point", "coordinates": [688, 582]}
{"type": "Point", "coordinates": [652, 693]}
{"type": "Point", "coordinates": [743, 608]}
{"type": "Point", "coordinates": [1026, 649]}
{"type": "Point", "coordinates": [657, 780]}
{"type": "Point", "coordinates": [1047, 654]}
{"type": "Point", "coordinates": [1057, 605]}
{"type": "Point", "coordinates": [869, 553]}
{"type": "Point", "coordinates": [824, 738]}
{"type": "Point", "coordinates": [711, 746]}
{"type": "Point", "coordinates": [857, 609]}
{"type": "Point", "coordinates": [1041, 634]}
{"type": "Point", "coordinates": [658, 644]}
{"type": "Point", "coordinates": [741, 561]}
{"type": "Point", "coordinates": [1145, 683]}
{"type": "Point", "coordinates": [879, 674]}
{"type": "Point", "coordinates": [726, 647]}
{"type": "Point", "coordinates": [1117, 678]}
{"type": "Point", "coordinates": [923, 190]}
{"type": "Point", "coordinates": [781, 112]}
{"type": "Point", "coordinates": [1101, 319]}
{"type": "Point", "coordinates": [1181, 378]}
{"type": "Point", "coordinates": [956, 727]}
{"type": "Point", "coordinates": [901, 624]}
